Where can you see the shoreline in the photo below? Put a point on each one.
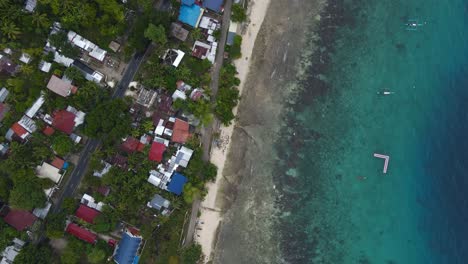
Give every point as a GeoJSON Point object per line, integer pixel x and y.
{"type": "Point", "coordinates": [211, 211]}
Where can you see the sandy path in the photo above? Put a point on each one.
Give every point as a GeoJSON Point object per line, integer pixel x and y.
{"type": "Point", "coordinates": [211, 215]}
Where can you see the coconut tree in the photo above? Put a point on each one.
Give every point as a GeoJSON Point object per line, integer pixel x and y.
{"type": "Point", "coordinates": [10, 30]}
{"type": "Point", "coordinates": [40, 20]}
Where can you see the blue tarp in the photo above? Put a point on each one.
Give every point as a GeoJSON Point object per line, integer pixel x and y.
{"type": "Point", "coordinates": [65, 166]}
{"type": "Point", "coordinates": [189, 14]}
{"type": "Point", "coordinates": [214, 5]}
{"type": "Point", "coordinates": [188, 2]}
{"type": "Point", "coordinates": [176, 185]}
{"type": "Point", "coordinates": [127, 249]}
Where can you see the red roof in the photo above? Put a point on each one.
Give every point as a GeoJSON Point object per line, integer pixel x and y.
{"type": "Point", "coordinates": [58, 163]}
{"type": "Point", "coordinates": [104, 190]}
{"type": "Point", "coordinates": [19, 130]}
{"type": "Point", "coordinates": [156, 152]}
{"type": "Point", "coordinates": [81, 233]}
{"type": "Point", "coordinates": [180, 132]}
{"type": "Point", "coordinates": [48, 131]}
{"type": "Point", "coordinates": [20, 219]}
{"type": "Point", "coordinates": [86, 213]}
{"type": "Point", "coordinates": [131, 145]}
{"type": "Point", "coordinates": [64, 121]}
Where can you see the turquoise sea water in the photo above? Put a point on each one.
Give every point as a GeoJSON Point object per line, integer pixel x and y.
{"type": "Point", "coordinates": [338, 206]}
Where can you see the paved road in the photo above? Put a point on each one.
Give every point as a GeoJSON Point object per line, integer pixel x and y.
{"type": "Point", "coordinates": [92, 144]}
{"type": "Point", "coordinates": [207, 132]}
{"type": "Point", "coordinates": [192, 223]}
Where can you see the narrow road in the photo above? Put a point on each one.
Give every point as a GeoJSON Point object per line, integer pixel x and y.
{"type": "Point", "coordinates": [90, 147]}
{"type": "Point", "coordinates": [207, 132]}
{"type": "Point", "coordinates": [192, 223]}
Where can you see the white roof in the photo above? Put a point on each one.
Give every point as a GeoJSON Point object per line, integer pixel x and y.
{"type": "Point", "coordinates": [3, 94]}
{"type": "Point", "coordinates": [233, 27]}
{"type": "Point", "coordinates": [65, 61]}
{"type": "Point", "coordinates": [48, 171]}
{"type": "Point", "coordinates": [180, 56]}
{"type": "Point", "coordinates": [93, 49]}
{"type": "Point", "coordinates": [28, 124]}
{"type": "Point", "coordinates": [79, 115]}
{"type": "Point", "coordinates": [104, 171]}
{"type": "Point", "coordinates": [97, 77]}
{"type": "Point", "coordinates": [154, 180]}
{"type": "Point", "coordinates": [98, 53]}
{"type": "Point", "coordinates": [45, 66]}
{"type": "Point", "coordinates": [42, 212]}
{"type": "Point", "coordinates": [179, 95]}
{"type": "Point", "coordinates": [31, 112]}
{"type": "Point", "coordinates": [30, 5]}
{"type": "Point", "coordinates": [25, 58]}
{"type": "Point", "coordinates": [89, 201]}
{"type": "Point", "coordinates": [159, 128]}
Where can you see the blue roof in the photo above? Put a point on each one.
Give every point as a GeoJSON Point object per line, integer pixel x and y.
{"type": "Point", "coordinates": [188, 2]}
{"type": "Point", "coordinates": [230, 38]}
{"type": "Point", "coordinates": [176, 185]}
{"type": "Point", "coordinates": [127, 248]}
{"type": "Point", "coordinates": [214, 5]}
{"type": "Point", "coordinates": [190, 14]}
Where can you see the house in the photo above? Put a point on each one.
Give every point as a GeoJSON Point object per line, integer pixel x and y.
{"type": "Point", "coordinates": [181, 131]}
{"type": "Point", "coordinates": [17, 132]}
{"type": "Point", "coordinates": [20, 219]}
{"type": "Point", "coordinates": [86, 213]}
{"type": "Point", "coordinates": [190, 14]}
{"type": "Point", "coordinates": [231, 33]}
{"type": "Point", "coordinates": [45, 66]}
{"type": "Point", "coordinates": [196, 94]}
{"type": "Point", "coordinates": [61, 86]}
{"type": "Point", "coordinates": [177, 183]}
{"type": "Point", "coordinates": [213, 5]}
{"type": "Point", "coordinates": [30, 5]}
{"type": "Point", "coordinates": [159, 179]}
{"type": "Point", "coordinates": [81, 233]}
{"type": "Point", "coordinates": [157, 151]}
{"type": "Point", "coordinates": [93, 50]}
{"type": "Point", "coordinates": [178, 95]}
{"type": "Point", "coordinates": [61, 59]}
{"type": "Point", "coordinates": [104, 190]}
{"type": "Point", "coordinates": [67, 120]}
{"type": "Point", "coordinates": [58, 163]}
{"type": "Point", "coordinates": [178, 32]}
{"type": "Point", "coordinates": [104, 171]}
{"type": "Point", "coordinates": [182, 86]}
{"type": "Point", "coordinates": [3, 149]}
{"type": "Point", "coordinates": [146, 97]}
{"type": "Point", "coordinates": [173, 57]}
{"type": "Point", "coordinates": [7, 66]}
{"type": "Point", "coordinates": [25, 58]}
{"type": "Point", "coordinates": [3, 94]}
{"type": "Point", "coordinates": [32, 111]}
{"type": "Point", "coordinates": [47, 171]}
{"type": "Point", "coordinates": [203, 51]}
{"type": "Point", "coordinates": [4, 108]}
{"type": "Point", "coordinates": [89, 74]}
{"type": "Point", "coordinates": [42, 212]}
{"type": "Point", "coordinates": [9, 254]}
{"type": "Point", "coordinates": [131, 145]}
{"type": "Point", "coordinates": [119, 161]}
{"type": "Point", "coordinates": [114, 46]}
{"type": "Point", "coordinates": [183, 156]}
{"type": "Point", "coordinates": [90, 202]}
{"type": "Point", "coordinates": [159, 203]}
{"type": "Point", "coordinates": [28, 124]}
{"type": "Point", "coordinates": [127, 250]}
{"type": "Point", "coordinates": [48, 131]}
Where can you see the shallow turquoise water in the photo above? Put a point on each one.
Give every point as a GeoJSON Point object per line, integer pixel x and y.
{"type": "Point", "coordinates": [341, 208]}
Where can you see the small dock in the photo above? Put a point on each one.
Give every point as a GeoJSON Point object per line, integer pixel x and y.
{"type": "Point", "coordinates": [386, 158]}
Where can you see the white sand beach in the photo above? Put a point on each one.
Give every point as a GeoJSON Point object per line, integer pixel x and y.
{"type": "Point", "coordinates": [211, 215]}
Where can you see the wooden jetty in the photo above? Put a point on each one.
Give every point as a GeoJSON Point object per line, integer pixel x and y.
{"type": "Point", "coordinates": [386, 158]}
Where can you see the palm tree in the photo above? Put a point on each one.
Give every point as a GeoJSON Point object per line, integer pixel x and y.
{"type": "Point", "coordinates": [40, 20]}
{"type": "Point", "coordinates": [10, 30]}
